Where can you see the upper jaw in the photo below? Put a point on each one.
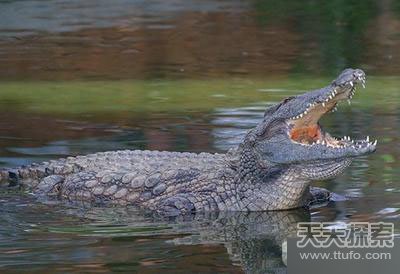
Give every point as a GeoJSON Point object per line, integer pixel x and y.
{"type": "Point", "coordinates": [344, 87]}
{"type": "Point", "coordinates": [304, 128]}
{"type": "Point", "coordinates": [349, 76]}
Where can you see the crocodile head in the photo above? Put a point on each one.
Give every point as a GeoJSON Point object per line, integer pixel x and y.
{"type": "Point", "coordinates": [290, 133]}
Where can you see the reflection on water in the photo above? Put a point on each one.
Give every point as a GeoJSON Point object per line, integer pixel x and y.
{"type": "Point", "coordinates": [183, 75]}
{"type": "Point", "coordinates": [183, 39]}
{"type": "Point", "coordinates": [110, 239]}
{"type": "Point", "coordinates": [115, 239]}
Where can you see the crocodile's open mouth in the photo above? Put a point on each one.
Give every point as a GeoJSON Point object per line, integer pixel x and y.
{"type": "Point", "coordinates": [304, 128]}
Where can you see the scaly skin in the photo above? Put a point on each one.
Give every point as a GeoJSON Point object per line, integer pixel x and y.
{"type": "Point", "coordinates": [169, 182]}
{"type": "Point", "coordinates": [270, 170]}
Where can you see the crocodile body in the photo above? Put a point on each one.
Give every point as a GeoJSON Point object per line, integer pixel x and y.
{"type": "Point", "coordinates": [158, 180]}
{"type": "Point", "coordinates": [270, 170]}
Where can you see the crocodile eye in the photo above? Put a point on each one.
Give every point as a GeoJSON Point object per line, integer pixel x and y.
{"type": "Point", "coordinates": [275, 107]}
{"type": "Point", "coordinates": [287, 99]}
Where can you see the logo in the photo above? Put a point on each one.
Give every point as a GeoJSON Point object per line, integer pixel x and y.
{"type": "Point", "coordinates": [351, 235]}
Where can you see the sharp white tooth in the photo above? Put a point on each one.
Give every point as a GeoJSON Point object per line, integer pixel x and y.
{"type": "Point", "coordinates": [367, 139]}
{"type": "Point", "coordinates": [301, 115]}
{"type": "Point", "coordinates": [318, 141]}
{"type": "Point", "coordinates": [330, 97]}
{"type": "Point", "coordinates": [351, 83]}
{"type": "Point", "coordinates": [376, 141]}
{"type": "Point", "coordinates": [363, 84]}
{"type": "Point", "coordinates": [323, 104]}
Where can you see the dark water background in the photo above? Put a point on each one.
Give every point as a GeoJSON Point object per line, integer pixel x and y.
{"type": "Point", "coordinates": [84, 76]}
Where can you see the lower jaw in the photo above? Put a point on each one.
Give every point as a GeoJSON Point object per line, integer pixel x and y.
{"type": "Point", "coordinates": [325, 170]}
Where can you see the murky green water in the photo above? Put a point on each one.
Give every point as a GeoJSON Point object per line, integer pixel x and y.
{"type": "Point", "coordinates": [183, 76]}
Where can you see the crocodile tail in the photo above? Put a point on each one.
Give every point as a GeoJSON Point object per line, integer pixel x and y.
{"type": "Point", "coordinates": [27, 175]}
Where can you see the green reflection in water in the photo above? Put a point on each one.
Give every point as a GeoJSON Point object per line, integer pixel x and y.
{"type": "Point", "coordinates": [336, 29]}
{"type": "Point", "coordinates": [174, 96]}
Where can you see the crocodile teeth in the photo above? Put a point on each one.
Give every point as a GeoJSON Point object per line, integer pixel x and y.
{"type": "Point", "coordinates": [367, 139]}
{"type": "Point", "coordinates": [323, 104]}
{"type": "Point", "coordinates": [351, 84]}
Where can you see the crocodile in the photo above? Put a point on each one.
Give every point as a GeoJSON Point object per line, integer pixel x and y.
{"type": "Point", "coordinates": [271, 169]}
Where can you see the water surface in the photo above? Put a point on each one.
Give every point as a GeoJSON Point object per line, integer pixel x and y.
{"type": "Point", "coordinates": [183, 76]}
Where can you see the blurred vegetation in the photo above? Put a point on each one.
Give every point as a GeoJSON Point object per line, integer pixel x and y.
{"type": "Point", "coordinates": [77, 97]}
{"type": "Point", "coordinates": [337, 26]}
{"type": "Point", "coordinates": [396, 7]}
